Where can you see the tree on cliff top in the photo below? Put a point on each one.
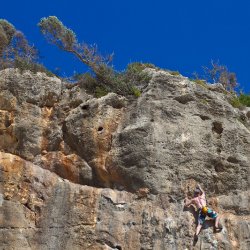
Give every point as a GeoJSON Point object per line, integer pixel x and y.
{"type": "Point", "coordinates": [106, 78]}
{"type": "Point", "coordinates": [13, 45]}
{"type": "Point", "coordinates": [65, 39]}
{"type": "Point", "coordinates": [16, 52]}
{"type": "Point", "coordinates": [7, 31]}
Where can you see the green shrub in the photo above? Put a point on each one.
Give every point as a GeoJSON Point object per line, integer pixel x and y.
{"type": "Point", "coordinates": [139, 66]}
{"type": "Point", "coordinates": [134, 74]}
{"type": "Point", "coordinates": [16, 52]}
{"type": "Point", "coordinates": [103, 78]}
{"type": "Point", "coordinates": [244, 100]}
{"type": "Point", "coordinates": [240, 101]}
{"type": "Point", "coordinates": [136, 92]}
{"type": "Point", "coordinates": [204, 101]}
{"type": "Point", "coordinates": [174, 73]}
{"type": "Point", "coordinates": [235, 102]}
{"type": "Point", "coordinates": [200, 82]}
{"type": "Point", "coordinates": [132, 80]}
{"type": "Point", "coordinates": [100, 92]}
{"type": "Point", "coordinates": [127, 83]}
{"type": "Point", "coordinates": [23, 65]}
{"type": "Point", "coordinates": [86, 81]}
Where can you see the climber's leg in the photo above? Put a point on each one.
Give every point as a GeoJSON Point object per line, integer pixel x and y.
{"type": "Point", "coordinates": [215, 217]}
{"type": "Point", "coordinates": [198, 229]}
{"type": "Point", "coordinates": [216, 224]}
{"type": "Point", "coordinates": [201, 220]}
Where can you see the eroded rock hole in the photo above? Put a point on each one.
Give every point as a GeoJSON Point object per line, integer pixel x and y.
{"type": "Point", "coordinates": [204, 117]}
{"type": "Point", "coordinates": [100, 129]}
{"type": "Point", "coordinates": [218, 150]}
{"type": "Point", "coordinates": [7, 123]}
{"type": "Point", "coordinates": [184, 99]}
{"type": "Point", "coordinates": [217, 128]}
{"type": "Point", "coordinates": [219, 167]}
{"type": "Point", "coordinates": [232, 159]}
{"type": "Point", "coordinates": [85, 107]}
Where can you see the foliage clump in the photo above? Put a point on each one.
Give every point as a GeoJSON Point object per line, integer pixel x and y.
{"type": "Point", "coordinates": [15, 50]}
{"type": "Point", "coordinates": [128, 82]}
{"type": "Point", "coordinates": [34, 67]}
{"type": "Point", "coordinates": [65, 39]}
{"type": "Point", "coordinates": [102, 78]}
{"type": "Point", "coordinates": [245, 99]}
{"type": "Point", "coordinates": [200, 82]}
{"type": "Point", "coordinates": [174, 73]}
{"type": "Point", "coordinates": [14, 45]}
{"type": "Point", "coordinates": [241, 101]}
{"type": "Point", "coordinates": [235, 102]}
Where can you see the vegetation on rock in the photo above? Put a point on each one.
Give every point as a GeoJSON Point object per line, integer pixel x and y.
{"type": "Point", "coordinates": [219, 73]}
{"type": "Point", "coordinates": [240, 101]}
{"type": "Point", "coordinates": [174, 73]}
{"type": "Point", "coordinates": [244, 99]}
{"type": "Point", "coordinates": [16, 52]}
{"type": "Point", "coordinates": [200, 82]}
{"type": "Point", "coordinates": [103, 78]}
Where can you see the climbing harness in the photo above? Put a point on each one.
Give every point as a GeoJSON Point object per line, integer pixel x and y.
{"type": "Point", "coordinates": [204, 210]}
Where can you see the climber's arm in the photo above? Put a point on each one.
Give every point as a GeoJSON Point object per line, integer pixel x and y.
{"type": "Point", "coordinates": [203, 192]}
{"type": "Point", "coordinates": [188, 202]}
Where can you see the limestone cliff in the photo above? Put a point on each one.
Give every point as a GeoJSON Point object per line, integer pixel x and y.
{"type": "Point", "coordinates": [111, 173]}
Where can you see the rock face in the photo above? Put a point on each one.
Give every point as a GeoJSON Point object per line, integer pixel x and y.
{"type": "Point", "coordinates": [111, 173]}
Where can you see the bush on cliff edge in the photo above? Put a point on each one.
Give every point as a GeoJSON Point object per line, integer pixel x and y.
{"type": "Point", "coordinates": [103, 78]}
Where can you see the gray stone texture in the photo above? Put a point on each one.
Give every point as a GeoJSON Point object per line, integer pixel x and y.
{"type": "Point", "coordinates": [78, 172]}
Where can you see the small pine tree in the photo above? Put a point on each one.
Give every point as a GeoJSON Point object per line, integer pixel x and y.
{"type": "Point", "coordinates": [105, 79]}
{"type": "Point", "coordinates": [65, 39]}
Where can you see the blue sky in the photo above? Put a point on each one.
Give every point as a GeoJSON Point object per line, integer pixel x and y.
{"type": "Point", "coordinates": [178, 35]}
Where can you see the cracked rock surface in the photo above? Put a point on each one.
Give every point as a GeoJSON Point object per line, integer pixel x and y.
{"type": "Point", "coordinates": [78, 172]}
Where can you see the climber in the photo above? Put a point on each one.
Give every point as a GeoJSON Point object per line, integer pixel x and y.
{"type": "Point", "coordinates": [200, 203]}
